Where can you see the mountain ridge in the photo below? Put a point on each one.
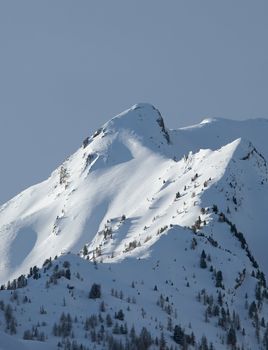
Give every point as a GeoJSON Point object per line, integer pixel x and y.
{"type": "Point", "coordinates": [117, 144]}
{"type": "Point", "coordinates": [136, 196]}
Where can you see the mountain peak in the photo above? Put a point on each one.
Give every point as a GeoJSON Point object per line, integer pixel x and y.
{"type": "Point", "coordinates": [140, 112]}
{"type": "Point", "coordinates": [143, 105]}
{"type": "Point", "coordinates": [143, 119]}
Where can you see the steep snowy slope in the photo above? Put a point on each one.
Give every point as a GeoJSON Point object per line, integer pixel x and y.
{"type": "Point", "coordinates": [146, 202]}
{"type": "Point", "coordinates": [97, 183]}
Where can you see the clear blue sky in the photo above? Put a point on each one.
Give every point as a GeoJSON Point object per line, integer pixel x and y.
{"type": "Point", "coordinates": [66, 67]}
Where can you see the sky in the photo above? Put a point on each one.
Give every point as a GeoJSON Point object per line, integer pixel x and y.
{"type": "Point", "coordinates": [66, 67]}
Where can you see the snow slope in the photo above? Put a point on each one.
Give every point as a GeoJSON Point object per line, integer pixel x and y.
{"type": "Point", "coordinates": [7, 342]}
{"type": "Point", "coordinates": [136, 194]}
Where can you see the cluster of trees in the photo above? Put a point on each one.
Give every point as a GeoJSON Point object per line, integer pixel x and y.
{"type": "Point", "coordinates": [119, 315]}
{"type": "Point", "coordinates": [64, 327]}
{"type": "Point", "coordinates": [34, 273]}
{"type": "Point", "coordinates": [47, 264]}
{"type": "Point", "coordinates": [11, 323]}
{"type": "Point", "coordinates": [132, 245]}
{"type": "Point", "coordinates": [181, 338]}
{"type": "Point", "coordinates": [244, 245]}
{"type": "Point", "coordinates": [119, 294]}
{"type": "Point", "coordinates": [162, 229]}
{"type": "Point", "coordinates": [22, 281]}
{"type": "Point", "coordinates": [58, 273]}
{"type": "Point", "coordinates": [67, 344]}
{"type": "Point", "coordinates": [107, 232]}
{"type": "Point", "coordinates": [165, 305]}
{"type": "Point", "coordinates": [131, 341]}
{"type": "Point", "coordinates": [19, 282]}
{"type": "Point", "coordinates": [104, 330]}
{"type": "Point", "coordinates": [258, 323]}
{"type": "Point", "coordinates": [239, 236]}
{"type": "Point", "coordinates": [217, 274]}
{"type": "Point", "coordinates": [197, 225]}
{"type": "Point", "coordinates": [34, 334]}
{"type": "Point", "coordinates": [228, 321]}
{"type": "Point", "coordinates": [63, 175]}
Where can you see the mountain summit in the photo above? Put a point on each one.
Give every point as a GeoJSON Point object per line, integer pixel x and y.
{"type": "Point", "coordinates": [178, 215]}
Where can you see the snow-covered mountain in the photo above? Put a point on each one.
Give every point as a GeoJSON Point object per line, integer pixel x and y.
{"type": "Point", "coordinates": [170, 223]}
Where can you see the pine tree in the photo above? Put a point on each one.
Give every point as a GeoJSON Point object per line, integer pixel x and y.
{"type": "Point", "coordinates": [145, 339]}
{"type": "Point", "coordinates": [102, 307]}
{"type": "Point", "coordinates": [203, 263]}
{"type": "Point", "coordinates": [252, 309]}
{"type": "Point", "coordinates": [231, 337]}
{"type": "Point", "coordinates": [68, 274]}
{"type": "Point", "coordinates": [162, 342]}
{"type": "Point", "coordinates": [116, 329]}
{"type": "Point", "coordinates": [219, 279]}
{"type": "Point", "coordinates": [220, 300]}
{"type": "Point", "coordinates": [132, 334]}
{"type": "Point", "coordinates": [204, 343]}
{"type": "Point", "coordinates": [120, 315]}
{"type": "Point", "coordinates": [95, 291]}
{"type": "Point", "coordinates": [178, 335]}
{"type": "Point", "coordinates": [215, 208]}
{"type": "Point", "coordinates": [85, 250]}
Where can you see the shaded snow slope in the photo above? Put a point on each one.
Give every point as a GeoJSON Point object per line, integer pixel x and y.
{"type": "Point", "coordinates": [159, 290]}
{"type": "Point", "coordinates": [8, 342]}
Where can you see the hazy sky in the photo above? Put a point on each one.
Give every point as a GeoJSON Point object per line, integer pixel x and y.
{"type": "Point", "coordinates": [66, 67]}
